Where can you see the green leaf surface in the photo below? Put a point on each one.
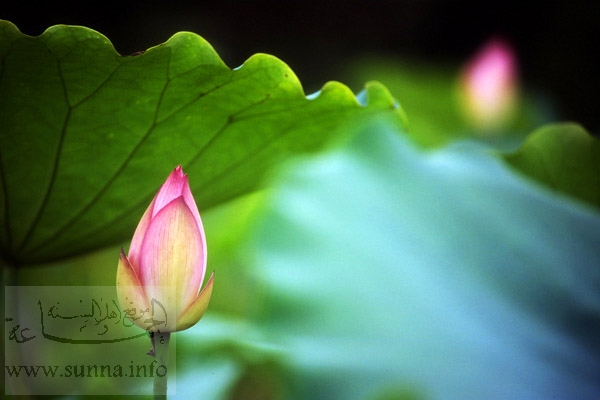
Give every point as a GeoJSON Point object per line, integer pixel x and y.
{"type": "Point", "coordinates": [564, 157]}
{"type": "Point", "coordinates": [87, 135]}
{"type": "Point", "coordinates": [444, 272]}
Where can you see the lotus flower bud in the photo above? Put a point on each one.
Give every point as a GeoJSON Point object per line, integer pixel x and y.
{"type": "Point", "coordinates": [489, 86]}
{"type": "Point", "coordinates": [166, 263]}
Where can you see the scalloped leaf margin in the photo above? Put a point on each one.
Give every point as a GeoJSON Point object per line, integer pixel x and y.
{"type": "Point", "coordinates": [87, 135]}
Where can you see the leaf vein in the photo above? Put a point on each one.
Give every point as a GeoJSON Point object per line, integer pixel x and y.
{"type": "Point", "coordinates": [111, 180]}
{"type": "Point", "coordinates": [55, 167]}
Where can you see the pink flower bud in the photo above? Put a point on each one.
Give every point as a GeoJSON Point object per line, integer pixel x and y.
{"type": "Point", "coordinates": [158, 283]}
{"type": "Point", "coordinates": [489, 86]}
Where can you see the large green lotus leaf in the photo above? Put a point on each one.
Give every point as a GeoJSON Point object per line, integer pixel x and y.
{"type": "Point", "coordinates": [445, 273]}
{"type": "Point", "coordinates": [564, 157]}
{"type": "Point", "coordinates": [87, 135]}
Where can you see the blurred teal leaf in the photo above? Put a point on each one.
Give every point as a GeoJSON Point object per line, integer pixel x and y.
{"type": "Point", "coordinates": [87, 135]}
{"type": "Point", "coordinates": [443, 272]}
{"type": "Point", "coordinates": [564, 157]}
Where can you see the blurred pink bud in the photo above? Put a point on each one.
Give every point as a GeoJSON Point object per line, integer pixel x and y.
{"type": "Point", "coordinates": [489, 86]}
{"type": "Point", "coordinates": [158, 283]}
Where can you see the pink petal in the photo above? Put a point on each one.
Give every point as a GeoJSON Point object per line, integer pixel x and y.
{"type": "Point", "coordinates": [170, 190]}
{"type": "Point", "coordinates": [173, 255]}
{"type": "Point", "coordinates": [138, 237]}
{"type": "Point", "coordinates": [191, 203]}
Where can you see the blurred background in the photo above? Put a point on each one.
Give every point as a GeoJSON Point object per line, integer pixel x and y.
{"type": "Point", "coordinates": [555, 41]}
{"type": "Point", "coordinates": [466, 281]}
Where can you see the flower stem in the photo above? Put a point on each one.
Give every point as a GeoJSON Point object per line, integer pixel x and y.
{"type": "Point", "coordinates": [160, 343]}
